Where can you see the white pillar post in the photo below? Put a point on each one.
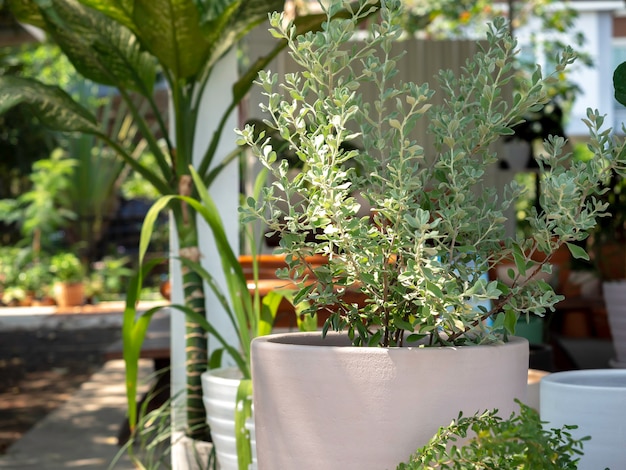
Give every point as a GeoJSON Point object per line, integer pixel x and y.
{"type": "Point", "coordinates": [225, 192]}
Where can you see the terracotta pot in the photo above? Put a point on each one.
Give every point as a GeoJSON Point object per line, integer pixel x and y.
{"type": "Point", "coordinates": [611, 261]}
{"type": "Point", "coordinates": [69, 294]}
{"type": "Point", "coordinates": [323, 404]}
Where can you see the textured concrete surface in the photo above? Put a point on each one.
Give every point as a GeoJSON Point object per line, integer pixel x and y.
{"type": "Point", "coordinates": [82, 433]}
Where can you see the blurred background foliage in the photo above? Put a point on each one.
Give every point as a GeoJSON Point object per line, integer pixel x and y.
{"type": "Point", "coordinates": [96, 204]}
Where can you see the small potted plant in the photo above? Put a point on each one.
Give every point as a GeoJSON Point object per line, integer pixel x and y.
{"type": "Point", "coordinates": [35, 278]}
{"type": "Point", "coordinates": [68, 275]}
{"type": "Point", "coordinates": [24, 278]}
{"type": "Point", "coordinates": [435, 336]}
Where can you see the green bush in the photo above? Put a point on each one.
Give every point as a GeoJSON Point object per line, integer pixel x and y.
{"type": "Point", "coordinates": [67, 267]}
{"type": "Point", "coordinates": [521, 442]}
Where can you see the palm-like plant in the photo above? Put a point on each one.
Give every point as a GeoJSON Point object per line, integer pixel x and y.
{"type": "Point", "coordinates": [125, 44]}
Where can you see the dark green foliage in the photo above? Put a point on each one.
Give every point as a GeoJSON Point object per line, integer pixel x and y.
{"type": "Point", "coordinates": [619, 83]}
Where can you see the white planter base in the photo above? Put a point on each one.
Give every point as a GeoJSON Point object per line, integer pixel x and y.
{"type": "Point", "coordinates": [595, 401]}
{"type": "Point", "coordinates": [189, 454]}
{"type": "Point", "coordinates": [615, 300]}
{"type": "Point", "coordinates": [322, 404]}
{"type": "Point", "coordinates": [219, 389]}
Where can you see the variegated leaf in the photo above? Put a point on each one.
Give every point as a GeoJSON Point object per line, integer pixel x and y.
{"type": "Point", "coordinates": [55, 108]}
{"type": "Point", "coordinates": [101, 49]}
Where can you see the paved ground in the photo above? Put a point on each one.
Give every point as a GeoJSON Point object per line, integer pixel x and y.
{"type": "Point", "coordinates": [81, 433]}
{"type": "Point", "coordinates": [42, 368]}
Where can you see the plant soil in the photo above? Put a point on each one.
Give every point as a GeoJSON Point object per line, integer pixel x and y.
{"type": "Point", "coordinates": [41, 369]}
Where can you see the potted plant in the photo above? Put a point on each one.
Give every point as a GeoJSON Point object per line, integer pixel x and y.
{"type": "Point", "coordinates": [25, 278]}
{"type": "Point", "coordinates": [417, 352]}
{"type": "Point", "coordinates": [35, 278]}
{"type": "Point", "coordinates": [595, 400]}
{"type": "Point", "coordinates": [109, 278]}
{"type": "Point", "coordinates": [68, 275]}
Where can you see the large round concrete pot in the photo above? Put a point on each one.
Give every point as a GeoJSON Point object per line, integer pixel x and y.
{"type": "Point", "coordinates": [595, 401]}
{"type": "Point", "coordinates": [323, 404]}
{"type": "Point", "coordinates": [219, 388]}
{"type": "Point", "coordinates": [615, 301]}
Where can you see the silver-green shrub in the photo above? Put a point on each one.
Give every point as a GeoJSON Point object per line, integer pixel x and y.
{"type": "Point", "coordinates": [434, 226]}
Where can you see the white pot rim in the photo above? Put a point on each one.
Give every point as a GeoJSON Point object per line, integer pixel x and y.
{"type": "Point", "coordinates": [226, 373]}
{"type": "Point", "coordinates": [341, 342]}
{"type": "Point", "coordinates": [599, 379]}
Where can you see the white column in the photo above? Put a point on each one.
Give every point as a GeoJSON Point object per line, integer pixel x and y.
{"type": "Point", "coordinates": [225, 191]}
{"type": "Point", "coordinates": [596, 82]}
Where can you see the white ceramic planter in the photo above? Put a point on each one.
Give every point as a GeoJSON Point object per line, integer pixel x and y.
{"type": "Point", "coordinates": [595, 401]}
{"type": "Point", "coordinates": [322, 404]}
{"type": "Point", "coordinates": [219, 387]}
{"type": "Point", "coordinates": [190, 454]}
{"type": "Point", "coordinates": [615, 301]}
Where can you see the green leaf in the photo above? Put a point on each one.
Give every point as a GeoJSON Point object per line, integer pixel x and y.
{"type": "Point", "coordinates": [171, 31]}
{"type": "Point", "coordinates": [303, 24]}
{"type": "Point", "coordinates": [26, 11]}
{"type": "Point", "coordinates": [243, 411]}
{"type": "Point", "coordinates": [118, 10]}
{"type": "Point", "coordinates": [520, 259]}
{"type": "Point", "coordinates": [269, 308]}
{"type": "Point", "coordinates": [510, 321]}
{"type": "Point", "coordinates": [133, 334]}
{"type": "Point", "coordinates": [100, 48]}
{"type": "Point", "coordinates": [577, 251]}
{"type": "Point", "coordinates": [230, 27]}
{"type": "Point", "coordinates": [54, 108]}
{"type": "Point", "coordinates": [215, 361]}
{"type": "Point", "coordinates": [619, 83]}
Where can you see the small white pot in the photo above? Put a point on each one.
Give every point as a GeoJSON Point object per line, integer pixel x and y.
{"type": "Point", "coordinates": [615, 301]}
{"type": "Point", "coordinates": [595, 401]}
{"type": "Point", "coordinates": [219, 388]}
{"type": "Point", "coordinates": [323, 404]}
{"type": "Point", "coordinates": [190, 454]}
